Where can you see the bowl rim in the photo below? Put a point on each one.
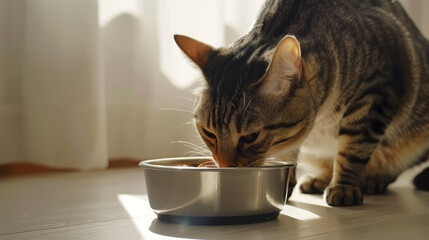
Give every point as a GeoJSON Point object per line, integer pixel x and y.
{"type": "Point", "coordinates": [146, 164]}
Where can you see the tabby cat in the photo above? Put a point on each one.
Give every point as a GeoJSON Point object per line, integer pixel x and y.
{"type": "Point", "coordinates": [340, 85]}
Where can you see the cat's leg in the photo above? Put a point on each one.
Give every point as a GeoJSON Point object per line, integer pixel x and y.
{"type": "Point", "coordinates": [391, 157]}
{"type": "Point", "coordinates": [361, 128]}
{"type": "Point", "coordinates": [314, 184]}
{"type": "Point", "coordinates": [317, 181]}
{"type": "Point", "coordinates": [289, 156]}
{"type": "Point", "coordinates": [348, 175]}
{"type": "Point", "coordinates": [292, 182]}
{"type": "Point", "coordinates": [377, 183]}
{"type": "Point", "coordinates": [378, 174]}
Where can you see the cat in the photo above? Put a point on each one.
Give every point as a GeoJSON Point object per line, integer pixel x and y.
{"type": "Point", "coordinates": [339, 85]}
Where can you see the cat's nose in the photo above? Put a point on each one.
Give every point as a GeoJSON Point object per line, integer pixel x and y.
{"type": "Point", "coordinates": [225, 161]}
{"type": "Point", "coordinates": [226, 164]}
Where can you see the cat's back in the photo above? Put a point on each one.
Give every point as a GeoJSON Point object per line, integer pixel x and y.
{"type": "Point", "coordinates": [280, 15]}
{"type": "Point", "coordinates": [388, 10]}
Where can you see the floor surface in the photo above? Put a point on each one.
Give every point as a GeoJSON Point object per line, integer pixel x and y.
{"type": "Point", "coordinates": [112, 204]}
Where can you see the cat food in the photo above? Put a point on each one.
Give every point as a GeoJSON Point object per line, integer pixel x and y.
{"type": "Point", "coordinates": [199, 165]}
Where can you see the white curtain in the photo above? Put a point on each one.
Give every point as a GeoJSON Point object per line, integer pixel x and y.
{"type": "Point", "coordinates": [82, 81]}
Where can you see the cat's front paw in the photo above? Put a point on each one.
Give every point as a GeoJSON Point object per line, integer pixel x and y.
{"type": "Point", "coordinates": [311, 184]}
{"type": "Point", "coordinates": [290, 188]}
{"type": "Point", "coordinates": [377, 184]}
{"type": "Point", "coordinates": [343, 195]}
{"type": "Point", "coordinates": [292, 182]}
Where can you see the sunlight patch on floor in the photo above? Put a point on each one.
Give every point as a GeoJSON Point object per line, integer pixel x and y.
{"type": "Point", "coordinates": [298, 213]}
{"type": "Point", "coordinates": [312, 199]}
{"type": "Point", "coordinates": [137, 207]}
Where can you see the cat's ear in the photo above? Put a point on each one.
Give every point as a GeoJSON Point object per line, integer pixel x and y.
{"type": "Point", "coordinates": [197, 51]}
{"type": "Point", "coordinates": [284, 68]}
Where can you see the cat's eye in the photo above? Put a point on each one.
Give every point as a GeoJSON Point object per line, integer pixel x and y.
{"type": "Point", "coordinates": [249, 138]}
{"type": "Point", "coordinates": [208, 133]}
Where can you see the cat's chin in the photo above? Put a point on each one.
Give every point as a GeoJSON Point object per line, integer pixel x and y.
{"type": "Point", "coordinates": [257, 163]}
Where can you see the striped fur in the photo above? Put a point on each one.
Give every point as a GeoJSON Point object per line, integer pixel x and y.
{"type": "Point", "coordinates": [349, 92]}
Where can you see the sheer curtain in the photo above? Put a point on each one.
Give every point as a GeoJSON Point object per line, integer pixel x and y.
{"type": "Point", "coordinates": [84, 81]}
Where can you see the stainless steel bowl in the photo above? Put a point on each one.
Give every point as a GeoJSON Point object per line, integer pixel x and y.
{"type": "Point", "coordinates": [205, 195]}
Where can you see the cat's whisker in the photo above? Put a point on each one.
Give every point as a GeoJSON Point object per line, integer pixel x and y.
{"type": "Point", "coordinates": [188, 99]}
{"type": "Point", "coordinates": [248, 104]}
{"type": "Point", "coordinates": [197, 151]}
{"type": "Point", "coordinates": [192, 146]}
{"type": "Point", "coordinates": [198, 148]}
{"type": "Point", "coordinates": [187, 123]}
{"type": "Point", "coordinates": [244, 100]}
{"type": "Point", "coordinates": [196, 154]}
{"type": "Point", "coordinates": [176, 109]}
{"type": "Point", "coordinates": [197, 121]}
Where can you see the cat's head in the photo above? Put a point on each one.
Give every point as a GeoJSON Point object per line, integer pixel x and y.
{"type": "Point", "coordinates": [253, 106]}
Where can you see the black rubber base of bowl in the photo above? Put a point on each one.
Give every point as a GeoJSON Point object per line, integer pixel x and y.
{"type": "Point", "coordinates": [233, 220]}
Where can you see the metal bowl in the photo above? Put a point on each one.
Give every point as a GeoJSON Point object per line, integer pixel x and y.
{"type": "Point", "coordinates": [181, 193]}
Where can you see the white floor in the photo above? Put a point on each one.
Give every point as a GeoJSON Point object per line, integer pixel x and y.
{"type": "Point", "coordinates": [112, 205]}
